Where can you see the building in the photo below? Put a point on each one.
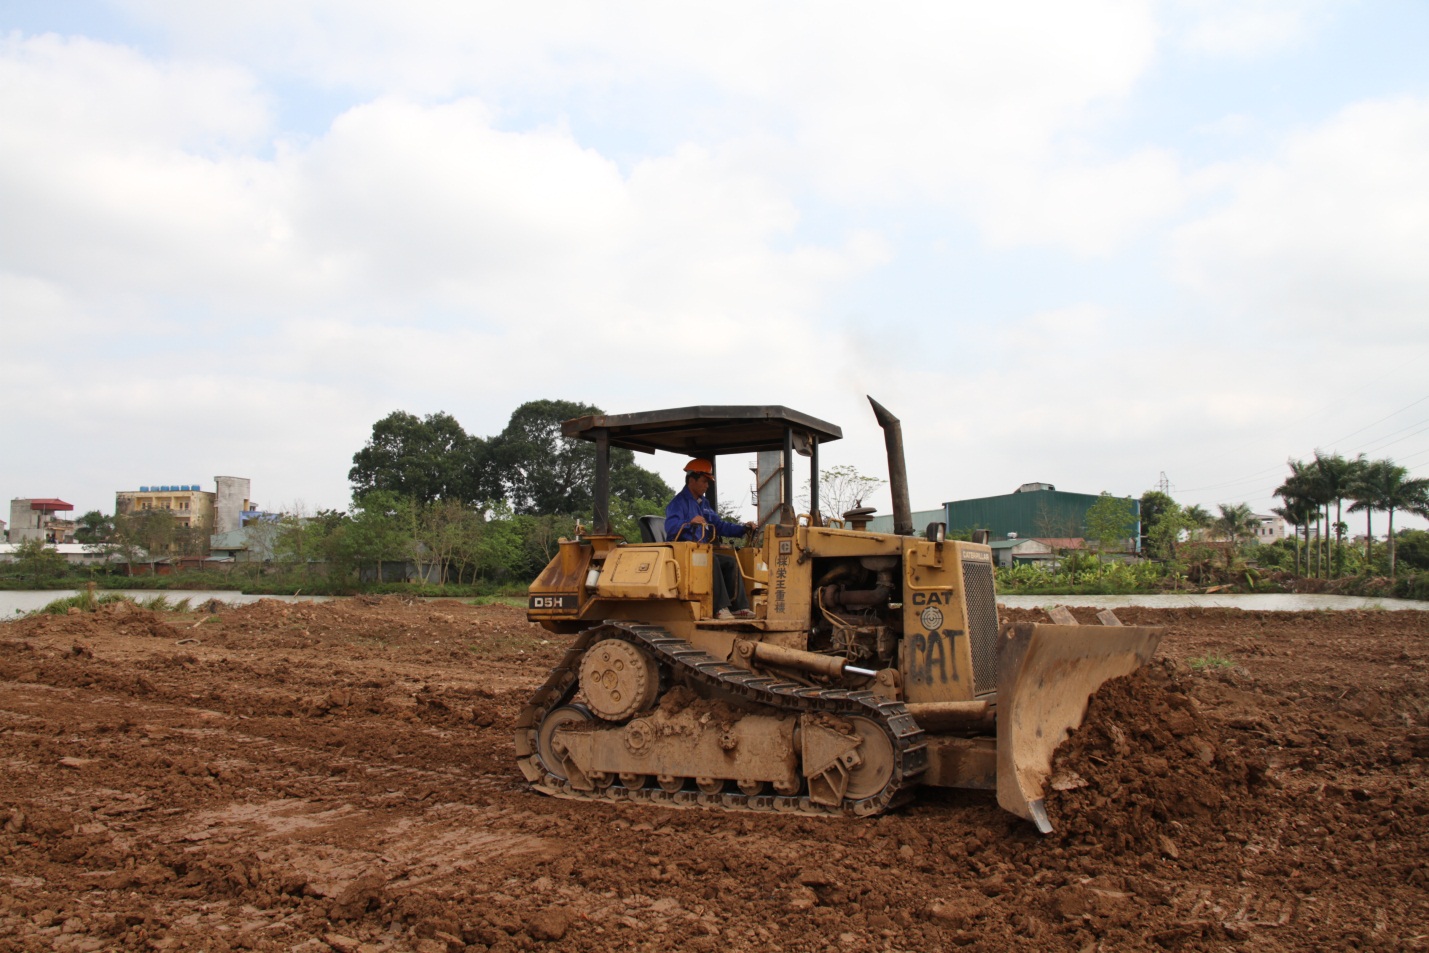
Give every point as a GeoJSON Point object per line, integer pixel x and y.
{"type": "Point", "coordinates": [191, 505]}
{"type": "Point", "coordinates": [1017, 552]}
{"type": "Point", "coordinates": [37, 519]}
{"type": "Point", "coordinates": [1033, 511]}
{"type": "Point", "coordinates": [1268, 529]}
{"type": "Point", "coordinates": [921, 519]}
{"type": "Point", "coordinates": [76, 554]}
{"type": "Point", "coordinates": [230, 503]}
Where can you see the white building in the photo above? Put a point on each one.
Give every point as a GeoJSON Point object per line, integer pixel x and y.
{"type": "Point", "coordinates": [1268, 528]}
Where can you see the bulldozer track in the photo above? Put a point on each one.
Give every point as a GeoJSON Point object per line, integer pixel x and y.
{"type": "Point", "coordinates": [677, 655]}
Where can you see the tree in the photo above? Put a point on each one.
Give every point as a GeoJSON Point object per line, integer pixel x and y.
{"type": "Point", "coordinates": [841, 488]}
{"type": "Point", "coordinates": [382, 529]}
{"type": "Point", "coordinates": [1337, 477]}
{"type": "Point", "coordinates": [423, 459]}
{"type": "Point", "coordinates": [152, 532]}
{"type": "Point", "coordinates": [1235, 523]}
{"type": "Point", "coordinates": [38, 563]}
{"type": "Point", "coordinates": [93, 528]}
{"type": "Point", "coordinates": [1198, 518]}
{"type": "Point", "coordinates": [1363, 493]}
{"type": "Point", "coordinates": [1297, 513]}
{"type": "Point", "coordinates": [1160, 541]}
{"type": "Point", "coordinates": [304, 541]}
{"type": "Point", "coordinates": [1110, 520]}
{"type": "Point", "coordinates": [1305, 489]}
{"type": "Point", "coordinates": [540, 471]}
{"type": "Point", "coordinates": [1392, 491]}
{"type": "Point", "coordinates": [1153, 504]}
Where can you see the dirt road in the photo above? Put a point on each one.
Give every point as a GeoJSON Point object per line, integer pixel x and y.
{"type": "Point", "coordinates": [340, 777]}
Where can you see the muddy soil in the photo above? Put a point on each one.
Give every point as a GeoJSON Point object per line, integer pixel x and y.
{"type": "Point", "coordinates": [340, 777]}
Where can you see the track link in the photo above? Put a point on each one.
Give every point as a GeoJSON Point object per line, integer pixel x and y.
{"type": "Point", "coordinates": [677, 655]}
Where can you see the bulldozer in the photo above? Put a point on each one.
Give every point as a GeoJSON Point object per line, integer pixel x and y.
{"type": "Point", "coordinates": [873, 663]}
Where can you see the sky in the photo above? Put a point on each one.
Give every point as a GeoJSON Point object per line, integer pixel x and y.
{"type": "Point", "coordinates": [1098, 244]}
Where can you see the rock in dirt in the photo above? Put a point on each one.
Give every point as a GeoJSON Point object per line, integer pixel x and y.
{"type": "Point", "coordinates": [550, 924]}
{"type": "Point", "coordinates": [367, 892]}
{"type": "Point", "coordinates": [341, 943]}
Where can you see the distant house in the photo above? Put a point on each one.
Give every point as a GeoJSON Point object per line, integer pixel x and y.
{"type": "Point", "coordinates": [38, 519]}
{"type": "Point", "coordinates": [252, 542]}
{"type": "Point", "coordinates": [1033, 511]}
{"type": "Point", "coordinates": [1268, 528]}
{"type": "Point", "coordinates": [76, 554]}
{"type": "Point", "coordinates": [1017, 552]}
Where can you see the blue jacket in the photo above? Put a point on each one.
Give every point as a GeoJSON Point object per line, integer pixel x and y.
{"type": "Point", "coordinates": [683, 508]}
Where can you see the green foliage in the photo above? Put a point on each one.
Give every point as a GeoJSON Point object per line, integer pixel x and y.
{"type": "Point", "coordinates": [1081, 574]}
{"type": "Point", "coordinates": [85, 601]}
{"type": "Point", "coordinates": [1235, 525]}
{"type": "Point", "coordinates": [93, 527]}
{"type": "Point", "coordinates": [1163, 531]}
{"type": "Point", "coordinates": [422, 458]}
{"type": "Point", "coordinates": [1211, 661]}
{"type": "Point", "coordinates": [1111, 520]}
{"type": "Point", "coordinates": [1414, 585]}
{"type": "Point", "coordinates": [1412, 549]}
{"type": "Point", "coordinates": [37, 563]}
{"type": "Point", "coordinates": [529, 466]}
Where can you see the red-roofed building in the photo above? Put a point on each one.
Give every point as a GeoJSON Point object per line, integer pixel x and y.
{"type": "Point", "coordinates": [39, 519]}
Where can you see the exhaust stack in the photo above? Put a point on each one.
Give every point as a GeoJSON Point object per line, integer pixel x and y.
{"type": "Point", "coordinates": [897, 469]}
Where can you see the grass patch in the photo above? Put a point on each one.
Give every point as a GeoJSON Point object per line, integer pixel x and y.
{"type": "Point", "coordinates": [83, 601]}
{"type": "Point", "coordinates": [1212, 661]}
{"type": "Point", "coordinates": [516, 602]}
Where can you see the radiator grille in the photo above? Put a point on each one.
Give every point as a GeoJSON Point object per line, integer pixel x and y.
{"type": "Point", "coordinates": [982, 623]}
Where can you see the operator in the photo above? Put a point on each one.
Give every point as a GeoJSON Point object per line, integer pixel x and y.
{"type": "Point", "coordinates": [690, 517]}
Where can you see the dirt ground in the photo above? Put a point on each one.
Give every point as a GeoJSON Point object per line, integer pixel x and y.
{"type": "Point", "coordinates": [341, 777]}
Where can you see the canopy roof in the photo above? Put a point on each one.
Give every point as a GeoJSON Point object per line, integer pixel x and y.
{"type": "Point", "coordinates": [703, 431]}
{"type": "Point", "coordinates": [50, 506]}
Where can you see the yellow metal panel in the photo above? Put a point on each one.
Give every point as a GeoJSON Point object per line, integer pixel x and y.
{"type": "Point", "coordinates": [639, 572]}
{"type": "Point", "coordinates": [935, 657]}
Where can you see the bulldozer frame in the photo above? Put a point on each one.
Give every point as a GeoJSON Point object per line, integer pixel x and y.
{"type": "Point", "coordinates": [874, 662]}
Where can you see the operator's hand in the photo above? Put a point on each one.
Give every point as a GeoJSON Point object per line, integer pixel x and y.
{"type": "Point", "coordinates": [698, 519]}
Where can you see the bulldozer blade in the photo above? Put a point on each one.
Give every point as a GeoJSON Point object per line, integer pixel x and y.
{"type": "Point", "coordinates": [1045, 676]}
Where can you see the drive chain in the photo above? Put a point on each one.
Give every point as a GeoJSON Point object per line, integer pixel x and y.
{"type": "Point", "coordinates": [678, 655]}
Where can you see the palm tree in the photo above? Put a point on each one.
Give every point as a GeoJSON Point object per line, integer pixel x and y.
{"type": "Point", "coordinates": [1197, 516]}
{"type": "Point", "coordinates": [1235, 523]}
{"type": "Point", "coordinates": [1305, 487]}
{"type": "Point", "coordinates": [1366, 499]}
{"type": "Point", "coordinates": [1337, 476]}
{"type": "Point", "coordinates": [1297, 512]}
{"type": "Point", "coordinates": [1391, 490]}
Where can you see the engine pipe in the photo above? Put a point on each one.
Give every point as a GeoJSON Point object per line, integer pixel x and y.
{"type": "Point", "coordinates": [897, 469]}
{"type": "Point", "coordinates": [786, 657]}
{"type": "Point", "coordinates": [952, 716]}
{"type": "Point", "coordinates": [848, 598]}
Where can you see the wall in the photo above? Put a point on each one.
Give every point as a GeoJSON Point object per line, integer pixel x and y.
{"type": "Point", "coordinates": [231, 500]}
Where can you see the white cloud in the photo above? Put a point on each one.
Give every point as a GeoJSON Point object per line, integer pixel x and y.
{"type": "Point", "coordinates": [1089, 209]}
{"type": "Point", "coordinates": [1330, 235]}
{"type": "Point", "coordinates": [971, 106]}
{"type": "Point", "coordinates": [1249, 28]}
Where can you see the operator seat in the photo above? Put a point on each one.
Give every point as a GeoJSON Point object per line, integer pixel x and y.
{"type": "Point", "coordinates": [652, 529]}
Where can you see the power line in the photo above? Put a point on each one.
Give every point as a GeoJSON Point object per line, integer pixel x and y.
{"type": "Point", "coordinates": [1368, 448]}
{"type": "Point", "coordinates": [1380, 420]}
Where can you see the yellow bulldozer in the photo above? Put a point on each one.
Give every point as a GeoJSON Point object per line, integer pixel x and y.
{"type": "Point", "coordinates": [873, 662]}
